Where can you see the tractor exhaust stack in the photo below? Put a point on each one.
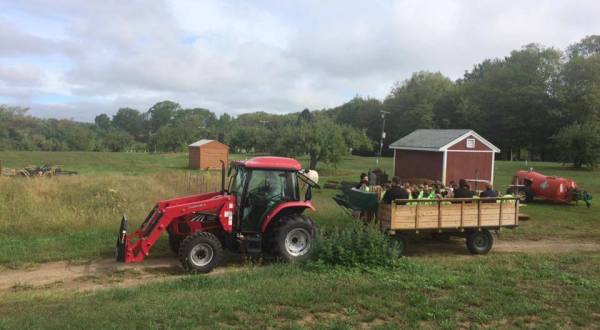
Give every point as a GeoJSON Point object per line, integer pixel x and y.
{"type": "Point", "coordinates": [222, 177]}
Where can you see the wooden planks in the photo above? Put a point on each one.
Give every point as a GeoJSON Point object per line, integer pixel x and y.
{"type": "Point", "coordinates": [440, 214]}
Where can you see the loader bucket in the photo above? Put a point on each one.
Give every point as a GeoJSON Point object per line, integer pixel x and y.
{"type": "Point", "coordinates": [122, 240]}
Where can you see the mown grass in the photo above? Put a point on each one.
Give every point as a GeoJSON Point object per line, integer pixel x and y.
{"type": "Point", "coordinates": [498, 291]}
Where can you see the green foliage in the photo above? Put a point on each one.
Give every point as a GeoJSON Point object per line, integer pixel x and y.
{"type": "Point", "coordinates": [129, 120]}
{"type": "Point", "coordinates": [321, 139]}
{"type": "Point", "coordinates": [355, 245]}
{"type": "Point", "coordinates": [513, 101]}
{"type": "Point", "coordinates": [415, 101]}
{"type": "Point", "coordinates": [579, 144]}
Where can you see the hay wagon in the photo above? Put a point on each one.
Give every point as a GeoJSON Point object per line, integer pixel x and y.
{"type": "Point", "coordinates": [472, 219]}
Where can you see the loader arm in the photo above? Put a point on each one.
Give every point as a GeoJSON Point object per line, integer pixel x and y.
{"type": "Point", "coordinates": [136, 246]}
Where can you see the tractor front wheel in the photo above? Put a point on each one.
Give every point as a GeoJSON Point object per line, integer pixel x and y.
{"type": "Point", "coordinates": [200, 252]}
{"type": "Point", "coordinates": [294, 237]}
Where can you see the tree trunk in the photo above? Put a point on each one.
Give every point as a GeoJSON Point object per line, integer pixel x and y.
{"type": "Point", "coordinates": [314, 159]}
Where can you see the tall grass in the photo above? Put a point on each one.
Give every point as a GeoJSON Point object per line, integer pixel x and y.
{"type": "Point", "coordinates": [75, 203]}
{"type": "Point", "coordinates": [57, 218]}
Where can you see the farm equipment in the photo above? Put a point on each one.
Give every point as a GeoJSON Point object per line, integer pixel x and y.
{"type": "Point", "coordinates": [470, 218]}
{"type": "Point", "coordinates": [33, 171]}
{"type": "Point", "coordinates": [259, 211]}
{"type": "Point", "coordinates": [530, 184]}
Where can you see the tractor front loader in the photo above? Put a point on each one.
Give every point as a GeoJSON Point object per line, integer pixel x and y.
{"type": "Point", "coordinates": [259, 211]}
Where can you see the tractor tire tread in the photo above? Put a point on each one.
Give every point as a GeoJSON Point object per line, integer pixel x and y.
{"type": "Point", "coordinates": [282, 227]}
{"type": "Point", "coordinates": [471, 245]}
{"type": "Point", "coordinates": [191, 241]}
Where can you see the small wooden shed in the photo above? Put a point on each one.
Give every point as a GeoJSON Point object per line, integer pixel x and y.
{"type": "Point", "coordinates": [207, 154]}
{"type": "Point", "coordinates": [445, 155]}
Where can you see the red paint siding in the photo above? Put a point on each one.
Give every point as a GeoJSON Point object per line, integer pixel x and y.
{"type": "Point", "coordinates": [462, 145]}
{"type": "Point", "coordinates": [462, 165]}
{"type": "Point", "coordinates": [412, 164]}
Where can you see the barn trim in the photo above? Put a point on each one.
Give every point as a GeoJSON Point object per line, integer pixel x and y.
{"type": "Point", "coordinates": [394, 168]}
{"type": "Point", "coordinates": [450, 150]}
{"type": "Point", "coordinates": [477, 136]}
{"type": "Point", "coordinates": [444, 165]}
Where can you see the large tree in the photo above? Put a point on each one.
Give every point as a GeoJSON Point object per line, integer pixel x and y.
{"type": "Point", "coordinates": [579, 144]}
{"type": "Point", "coordinates": [513, 101]}
{"type": "Point", "coordinates": [361, 113]}
{"type": "Point", "coordinates": [129, 120]}
{"type": "Point", "coordinates": [411, 104]}
{"type": "Point", "coordinates": [161, 114]}
{"type": "Point", "coordinates": [321, 139]}
{"type": "Point", "coordinates": [581, 78]}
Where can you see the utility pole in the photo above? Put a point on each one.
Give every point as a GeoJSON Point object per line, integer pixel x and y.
{"type": "Point", "coordinates": [383, 113]}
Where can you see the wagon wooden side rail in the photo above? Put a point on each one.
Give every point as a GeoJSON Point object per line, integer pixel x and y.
{"type": "Point", "coordinates": [449, 214]}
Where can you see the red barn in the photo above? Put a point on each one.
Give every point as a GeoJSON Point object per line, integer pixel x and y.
{"type": "Point", "coordinates": [445, 155]}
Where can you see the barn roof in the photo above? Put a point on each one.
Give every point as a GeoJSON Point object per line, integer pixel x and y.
{"type": "Point", "coordinates": [203, 142]}
{"type": "Point", "coordinates": [436, 139]}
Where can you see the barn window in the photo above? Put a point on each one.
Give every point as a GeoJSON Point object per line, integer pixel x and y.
{"type": "Point", "coordinates": [470, 143]}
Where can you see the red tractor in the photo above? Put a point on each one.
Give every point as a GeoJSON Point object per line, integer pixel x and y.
{"type": "Point", "coordinates": [260, 210]}
{"type": "Point", "coordinates": [530, 184]}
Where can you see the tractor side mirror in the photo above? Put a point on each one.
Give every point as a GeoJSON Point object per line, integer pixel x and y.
{"type": "Point", "coordinates": [308, 194]}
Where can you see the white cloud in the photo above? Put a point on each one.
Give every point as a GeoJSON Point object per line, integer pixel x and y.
{"type": "Point", "coordinates": [78, 58]}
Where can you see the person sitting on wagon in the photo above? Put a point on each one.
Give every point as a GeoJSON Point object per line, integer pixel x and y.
{"type": "Point", "coordinates": [463, 190]}
{"type": "Point", "coordinates": [395, 192]}
{"type": "Point", "coordinates": [364, 182]}
{"type": "Point", "coordinates": [488, 192]}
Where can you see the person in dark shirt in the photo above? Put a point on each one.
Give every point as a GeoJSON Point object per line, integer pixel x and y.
{"type": "Point", "coordinates": [489, 192]}
{"type": "Point", "coordinates": [395, 192]}
{"type": "Point", "coordinates": [364, 182]}
{"type": "Point", "coordinates": [463, 190]}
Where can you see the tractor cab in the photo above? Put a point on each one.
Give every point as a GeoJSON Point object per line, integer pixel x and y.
{"type": "Point", "coordinates": [259, 210]}
{"type": "Point", "coordinates": [262, 184]}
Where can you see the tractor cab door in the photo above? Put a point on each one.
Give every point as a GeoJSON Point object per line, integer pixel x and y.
{"type": "Point", "coordinates": [264, 191]}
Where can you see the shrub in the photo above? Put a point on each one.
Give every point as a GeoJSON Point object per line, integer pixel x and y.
{"type": "Point", "coordinates": [355, 245]}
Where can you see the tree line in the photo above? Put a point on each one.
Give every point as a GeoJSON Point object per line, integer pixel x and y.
{"type": "Point", "coordinates": [537, 103]}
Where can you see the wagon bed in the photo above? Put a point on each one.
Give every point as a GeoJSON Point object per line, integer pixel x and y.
{"type": "Point", "coordinates": [449, 214]}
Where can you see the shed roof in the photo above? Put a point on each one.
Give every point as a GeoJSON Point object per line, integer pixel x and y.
{"type": "Point", "coordinates": [437, 139]}
{"type": "Point", "coordinates": [203, 142]}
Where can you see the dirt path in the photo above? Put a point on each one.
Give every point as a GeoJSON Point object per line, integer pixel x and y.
{"type": "Point", "coordinates": [94, 274]}
{"type": "Point", "coordinates": [457, 247]}
{"type": "Point", "coordinates": [105, 273]}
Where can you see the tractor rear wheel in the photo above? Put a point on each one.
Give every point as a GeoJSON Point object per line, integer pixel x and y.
{"type": "Point", "coordinates": [480, 241]}
{"type": "Point", "coordinates": [200, 252]}
{"type": "Point", "coordinates": [294, 237]}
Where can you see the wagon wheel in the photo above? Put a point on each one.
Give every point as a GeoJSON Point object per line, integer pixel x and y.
{"type": "Point", "coordinates": [525, 195]}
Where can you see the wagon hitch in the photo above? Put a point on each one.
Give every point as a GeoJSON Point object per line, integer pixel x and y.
{"type": "Point", "coordinates": [121, 247]}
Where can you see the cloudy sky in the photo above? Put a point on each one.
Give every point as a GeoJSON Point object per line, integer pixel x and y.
{"type": "Point", "coordinates": [76, 59]}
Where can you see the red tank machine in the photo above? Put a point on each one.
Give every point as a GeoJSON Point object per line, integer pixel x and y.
{"type": "Point", "coordinates": [260, 210]}
{"type": "Point", "coordinates": [530, 184]}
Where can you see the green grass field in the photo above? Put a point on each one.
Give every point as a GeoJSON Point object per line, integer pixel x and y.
{"type": "Point", "coordinates": [76, 219]}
